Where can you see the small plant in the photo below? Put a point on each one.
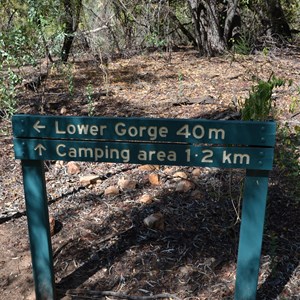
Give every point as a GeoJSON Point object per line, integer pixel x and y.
{"type": "Point", "coordinates": [273, 251]}
{"type": "Point", "coordinates": [70, 80]}
{"type": "Point", "coordinates": [180, 87]}
{"type": "Point", "coordinates": [241, 46]}
{"type": "Point", "coordinates": [266, 51]}
{"type": "Point", "coordinates": [67, 70]}
{"type": "Point", "coordinates": [91, 104]}
{"type": "Point", "coordinates": [8, 84]}
{"type": "Point", "coordinates": [259, 105]}
{"type": "Point", "coordinates": [10, 76]}
{"type": "Point", "coordinates": [155, 40]}
{"type": "Point", "coordinates": [288, 155]}
{"type": "Point", "coordinates": [295, 103]}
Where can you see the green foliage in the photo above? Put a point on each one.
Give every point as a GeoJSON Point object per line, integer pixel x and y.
{"type": "Point", "coordinates": [154, 40]}
{"type": "Point", "coordinates": [259, 105]}
{"type": "Point", "coordinates": [22, 42]}
{"type": "Point", "coordinates": [292, 12]}
{"type": "Point", "coordinates": [295, 103]}
{"type": "Point", "coordinates": [288, 150]}
{"type": "Point", "coordinates": [288, 156]}
{"type": "Point", "coordinates": [243, 45]}
{"type": "Point", "coordinates": [273, 251]}
{"type": "Point", "coordinates": [8, 83]}
{"type": "Point", "coordinates": [68, 73]}
{"type": "Point", "coordinates": [13, 55]}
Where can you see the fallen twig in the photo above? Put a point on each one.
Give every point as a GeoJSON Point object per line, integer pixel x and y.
{"type": "Point", "coordinates": [60, 248]}
{"type": "Point", "coordinates": [16, 215]}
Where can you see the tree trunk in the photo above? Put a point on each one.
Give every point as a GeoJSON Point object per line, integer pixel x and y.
{"type": "Point", "coordinates": [273, 19]}
{"type": "Point", "coordinates": [211, 29]}
{"type": "Point", "coordinates": [232, 21]}
{"type": "Point", "coordinates": [279, 23]}
{"type": "Point", "coordinates": [71, 20]}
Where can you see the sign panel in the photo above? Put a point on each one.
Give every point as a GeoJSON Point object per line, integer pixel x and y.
{"type": "Point", "coordinates": [145, 153]}
{"type": "Point", "coordinates": [194, 131]}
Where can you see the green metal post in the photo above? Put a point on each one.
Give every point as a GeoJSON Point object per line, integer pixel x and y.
{"type": "Point", "coordinates": [38, 226]}
{"type": "Point", "coordinates": [251, 234]}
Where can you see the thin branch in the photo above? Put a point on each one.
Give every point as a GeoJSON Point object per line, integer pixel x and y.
{"type": "Point", "coordinates": [295, 115]}
{"type": "Point", "coordinates": [90, 9]}
{"type": "Point", "coordinates": [95, 30]}
{"type": "Point", "coordinates": [182, 28]}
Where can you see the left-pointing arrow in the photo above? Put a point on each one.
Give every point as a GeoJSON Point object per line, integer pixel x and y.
{"type": "Point", "coordinates": [40, 149]}
{"type": "Point", "coordinates": [37, 126]}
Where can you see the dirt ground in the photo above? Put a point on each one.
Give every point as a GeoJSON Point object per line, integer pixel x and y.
{"type": "Point", "coordinates": [101, 242]}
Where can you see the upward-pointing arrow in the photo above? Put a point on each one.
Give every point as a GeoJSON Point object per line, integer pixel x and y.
{"type": "Point", "coordinates": [40, 149]}
{"type": "Point", "coordinates": [37, 126]}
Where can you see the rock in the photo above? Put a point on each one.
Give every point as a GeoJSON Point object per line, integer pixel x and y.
{"type": "Point", "coordinates": [148, 167]}
{"type": "Point", "coordinates": [127, 184]}
{"type": "Point", "coordinates": [155, 221]}
{"type": "Point", "coordinates": [111, 191]}
{"type": "Point", "coordinates": [59, 164]}
{"type": "Point", "coordinates": [180, 175]}
{"type": "Point", "coordinates": [89, 179]}
{"type": "Point", "coordinates": [63, 110]}
{"type": "Point", "coordinates": [169, 170]}
{"type": "Point", "coordinates": [154, 179]}
{"type": "Point", "coordinates": [52, 226]}
{"type": "Point", "coordinates": [196, 172]}
{"type": "Point", "coordinates": [184, 186]}
{"type": "Point", "coordinates": [73, 168]}
{"type": "Point", "coordinates": [146, 199]}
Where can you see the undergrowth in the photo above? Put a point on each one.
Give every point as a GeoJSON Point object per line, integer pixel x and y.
{"type": "Point", "coordinates": [287, 157]}
{"type": "Point", "coordinates": [259, 106]}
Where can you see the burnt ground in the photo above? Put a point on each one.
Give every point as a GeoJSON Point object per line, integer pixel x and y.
{"type": "Point", "coordinates": [100, 241]}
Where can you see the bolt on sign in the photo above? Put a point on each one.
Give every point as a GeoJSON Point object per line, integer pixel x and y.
{"type": "Point", "coordinates": [206, 143]}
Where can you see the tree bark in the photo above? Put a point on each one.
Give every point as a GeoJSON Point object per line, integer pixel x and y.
{"type": "Point", "coordinates": [207, 25]}
{"type": "Point", "coordinates": [273, 19]}
{"type": "Point", "coordinates": [71, 19]}
{"type": "Point", "coordinates": [232, 21]}
{"type": "Point", "coordinates": [278, 20]}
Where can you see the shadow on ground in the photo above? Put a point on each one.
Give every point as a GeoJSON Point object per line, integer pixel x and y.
{"type": "Point", "coordinates": [188, 258]}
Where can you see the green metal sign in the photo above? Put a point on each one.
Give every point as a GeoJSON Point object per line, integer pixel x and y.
{"type": "Point", "coordinates": [207, 143]}
{"type": "Point", "coordinates": [145, 129]}
{"type": "Point", "coordinates": [145, 153]}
